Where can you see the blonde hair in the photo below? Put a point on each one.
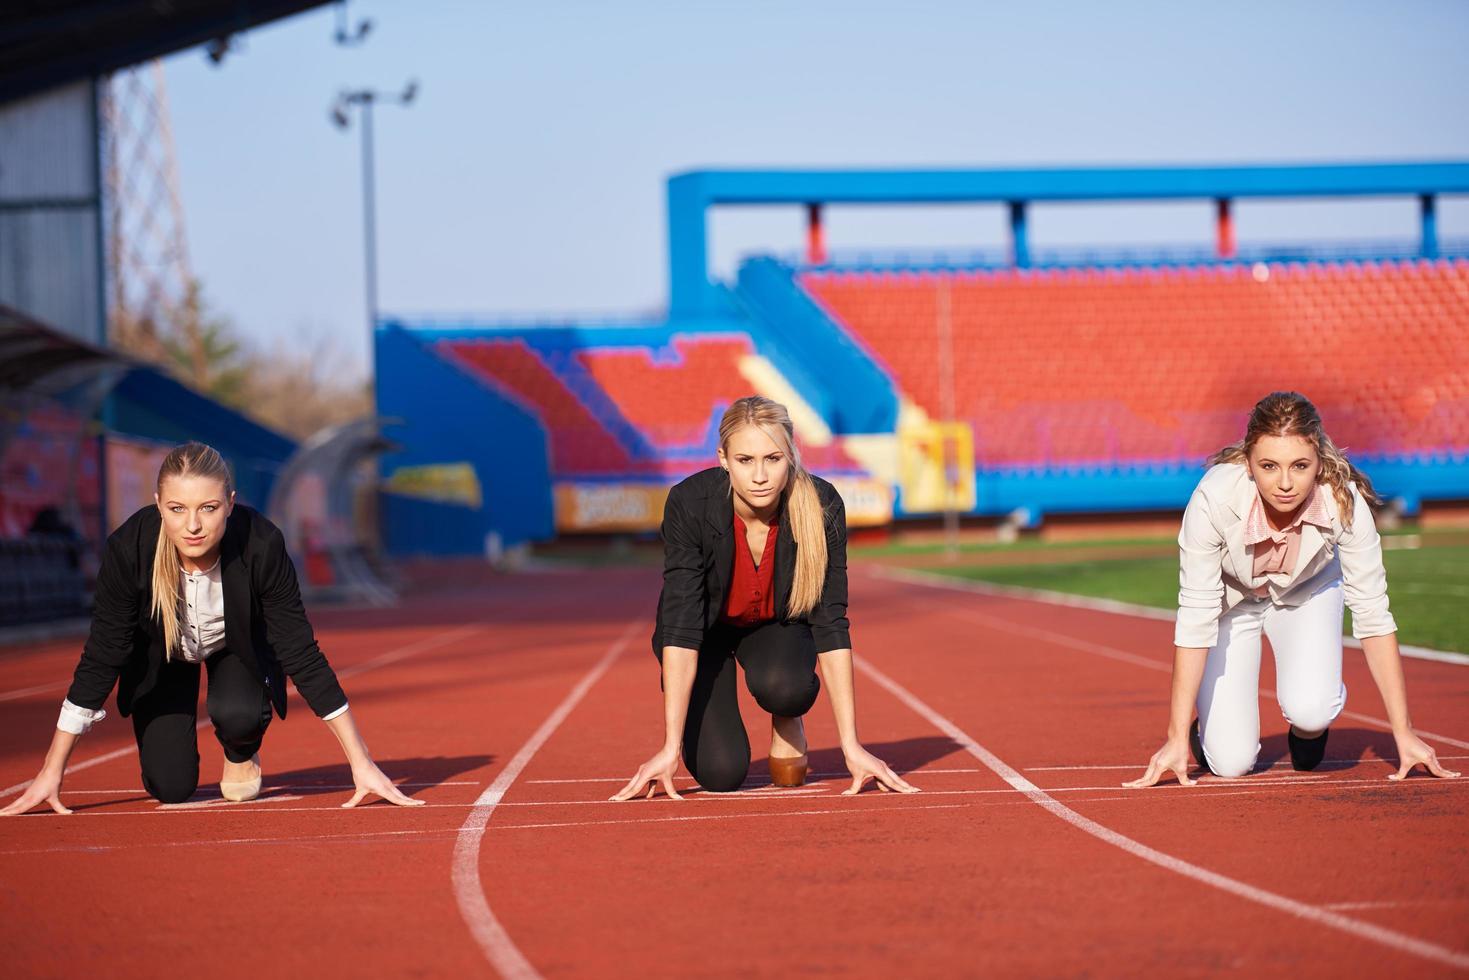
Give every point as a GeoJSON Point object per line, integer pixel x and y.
{"type": "Point", "coordinates": [190, 459]}
{"type": "Point", "coordinates": [1287, 413]}
{"type": "Point", "coordinates": [803, 506]}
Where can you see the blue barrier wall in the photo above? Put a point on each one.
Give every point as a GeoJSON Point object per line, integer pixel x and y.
{"type": "Point", "coordinates": [448, 417]}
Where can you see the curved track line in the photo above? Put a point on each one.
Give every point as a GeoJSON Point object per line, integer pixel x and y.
{"type": "Point", "coordinates": [1321, 916]}
{"type": "Point", "coordinates": [469, 892]}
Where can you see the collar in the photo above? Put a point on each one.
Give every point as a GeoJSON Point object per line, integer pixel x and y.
{"type": "Point", "coordinates": [211, 570]}
{"type": "Point", "coordinates": [1257, 526]}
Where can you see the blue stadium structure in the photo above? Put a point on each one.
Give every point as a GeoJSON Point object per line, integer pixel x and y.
{"type": "Point", "coordinates": [1020, 384]}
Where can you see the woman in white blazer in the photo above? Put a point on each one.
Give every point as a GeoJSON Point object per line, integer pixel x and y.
{"type": "Point", "coordinates": [1276, 537]}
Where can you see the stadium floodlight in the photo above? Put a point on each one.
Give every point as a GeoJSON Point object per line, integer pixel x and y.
{"type": "Point", "coordinates": [340, 114]}
{"type": "Point", "coordinates": [218, 48]}
{"type": "Point", "coordinates": [350, 38]}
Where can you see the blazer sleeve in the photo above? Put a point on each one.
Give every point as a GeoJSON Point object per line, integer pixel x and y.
{"type": "Point", "coordinates": [682, 603]}
{"type": "Point", "coordinates": [830, 627]}
{"type": "Point", "coordinates": [1364, 578]}
{"type": "Point", "coordinates": [109, 643]}
{"type": "Point", "coordinates": [1200, 576]}
{"type": "Point", "coordinates": [288, 631]}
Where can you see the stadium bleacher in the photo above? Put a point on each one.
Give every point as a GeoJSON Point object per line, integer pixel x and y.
{"type": "Point", "coordinates": [1103, 365]}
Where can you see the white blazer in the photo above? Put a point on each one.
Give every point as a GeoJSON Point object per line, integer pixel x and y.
{"type": "Point", "coordinates": [1215, 565]}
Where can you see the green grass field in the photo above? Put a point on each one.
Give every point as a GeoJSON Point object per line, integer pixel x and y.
{"type": "Point", "coordinates": [1428, 585]}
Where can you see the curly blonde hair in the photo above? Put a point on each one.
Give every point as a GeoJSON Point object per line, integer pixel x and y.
{"type": "Point", "coordinates": [1289, 413]}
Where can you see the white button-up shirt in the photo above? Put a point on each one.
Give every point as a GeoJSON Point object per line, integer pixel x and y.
{"type": "Point", "coordinates": [203, 620]}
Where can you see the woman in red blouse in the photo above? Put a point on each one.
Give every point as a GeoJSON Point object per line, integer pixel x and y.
{"type": "Point", "coordinates": [755, 573]}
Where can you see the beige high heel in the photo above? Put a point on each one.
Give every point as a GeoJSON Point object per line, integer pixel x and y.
{"type": "Point", "coordinates": [241, 790]}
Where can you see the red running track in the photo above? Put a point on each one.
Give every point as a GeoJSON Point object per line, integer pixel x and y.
{"type": "Point", "coordinates": [515, 708]}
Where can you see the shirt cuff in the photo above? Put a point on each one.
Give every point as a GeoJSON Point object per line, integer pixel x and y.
{"type": "Point", "coordinates": [76, 720]}
{"type": "Point", "coordinates": [332, 714]}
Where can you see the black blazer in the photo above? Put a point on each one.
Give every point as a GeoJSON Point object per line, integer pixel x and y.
{"type": "Point", "coordinates": [264, 622]}
{"type": "Point", "coordinates": [698, 559]}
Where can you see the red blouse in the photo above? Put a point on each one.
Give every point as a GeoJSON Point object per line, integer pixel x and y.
{"type": "Point", "coordinates": [751, 598]}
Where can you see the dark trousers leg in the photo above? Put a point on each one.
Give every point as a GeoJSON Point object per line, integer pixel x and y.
{"type": "Point", "coordinates": [780, 672]}
{"type": "Point", "coordinates": [239, 706]}
{"type": "Point", "coordinates": [164, 723]}
{"type": "Point", "coordinates": [780, 667]}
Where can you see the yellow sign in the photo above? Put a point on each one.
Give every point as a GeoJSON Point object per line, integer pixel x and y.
{"type": "Point", "coordinates": [444, 483]}
{"type": "Point", "coordinates": [609, 506]}
{"type": "Point", "coordinates": [937, 467]}
{"type": "Point", "coordinates": [869, 502]}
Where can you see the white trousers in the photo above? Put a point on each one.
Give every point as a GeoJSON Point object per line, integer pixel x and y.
{"type": "Point", "coordinates": [1308, 685]}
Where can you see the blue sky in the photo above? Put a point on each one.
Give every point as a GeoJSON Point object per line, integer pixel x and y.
{"type": "Point", "coordinates": [529, 176]}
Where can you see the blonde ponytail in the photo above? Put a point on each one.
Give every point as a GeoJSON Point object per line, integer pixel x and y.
{"type": "Point", "coordinates": [166, 591]}
{"type": "Point", "coordinates": [808, 527]}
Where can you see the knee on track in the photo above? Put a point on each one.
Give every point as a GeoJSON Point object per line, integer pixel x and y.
{"type": "Point", "coordinates": [173, 787]}
{"type": "Point", "coordinates": [725, 777]}
{"type": "Point", "coordinates": [1231, 759]}
{"type": "Point", "coordinates": [1311, 714]}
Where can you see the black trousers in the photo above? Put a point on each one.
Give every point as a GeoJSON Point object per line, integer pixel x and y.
{"type": "Point", "coordinates": [165, 722]}
{"type": "Point", "coordinates": [779, 660]}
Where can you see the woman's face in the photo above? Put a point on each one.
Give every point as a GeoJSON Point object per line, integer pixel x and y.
{"type": "Point", "coordinates": [758, 468]}
{"type": "Point", "coordinates": [194, 509]}
{"type": "Point", "coordinates": [1284, 469]}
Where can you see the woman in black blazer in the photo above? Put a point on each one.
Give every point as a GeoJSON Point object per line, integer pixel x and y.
{"type": "Point", "coordinates": [199, 579]}
{"type": "Point", "coordinates": [727, 599]}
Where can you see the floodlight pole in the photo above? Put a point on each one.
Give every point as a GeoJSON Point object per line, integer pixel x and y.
{"type": "Point", "coordinates": [364, 100]}
{"type": "Point", "coordinates": [369, 220]}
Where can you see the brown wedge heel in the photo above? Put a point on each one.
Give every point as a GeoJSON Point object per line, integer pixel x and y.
{"type": "Point", "coordinates": [789, 772]}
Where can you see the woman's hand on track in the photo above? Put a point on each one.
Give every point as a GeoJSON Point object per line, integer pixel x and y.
{"type": "Point", "coordinates": [657, 771]}
{"type": "Point", "coordinates": [46, 788]}
{"type": "Point", "coordinates": [1413, 751]}
{"type": "Point", "coordinates": [863, 765]}
{"type": "Point", "coordinates": [369, 779]}
{"type": "Point", "coordinates": [1172, 757]}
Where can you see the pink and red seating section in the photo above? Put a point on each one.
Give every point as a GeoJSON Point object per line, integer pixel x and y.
{"type": "Point", "coordinates": [1142, 365]}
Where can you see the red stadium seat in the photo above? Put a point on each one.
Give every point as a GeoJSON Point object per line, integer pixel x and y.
{"type": "Point", "coordinates": [1137, 365]}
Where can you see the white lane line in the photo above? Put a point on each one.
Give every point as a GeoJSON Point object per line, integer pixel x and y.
{"type": "Point", "coordinates": [1115, 606]}
{"type": "Point", "coordinates": [447, 831]}
{"type": "Point", "coordinates": [843, 805]}
{"type": "Point", "coordinates": [469, 892]}
{"type": "Point", "coordinates": [419, 646]}
{"type": "Point", "coordinates": [1395, 905]}
{"type": "Point", "coordinates": [221, 803]}
{"type": "Point", "coordinates": [722, 816]}
{"type": "Point", "coordinates": [1281, 764]}
{"type": "Point", "coordinates": [815, 775]}
{"type": "Point", "coordinates": [292, 786]}
{"type": "Point", "coordinates": [398, 653]}
{"type": "Point", "coordinates": [307, 839]}
{"type": "Point", "coordinates": [1333, 920]}
{"type": "Point", "coordinates": [26, 692]}
{"type": "Point", "coordinates": [1112, 653]}
{"type": "Point", "coordinates": [1208, 786]}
